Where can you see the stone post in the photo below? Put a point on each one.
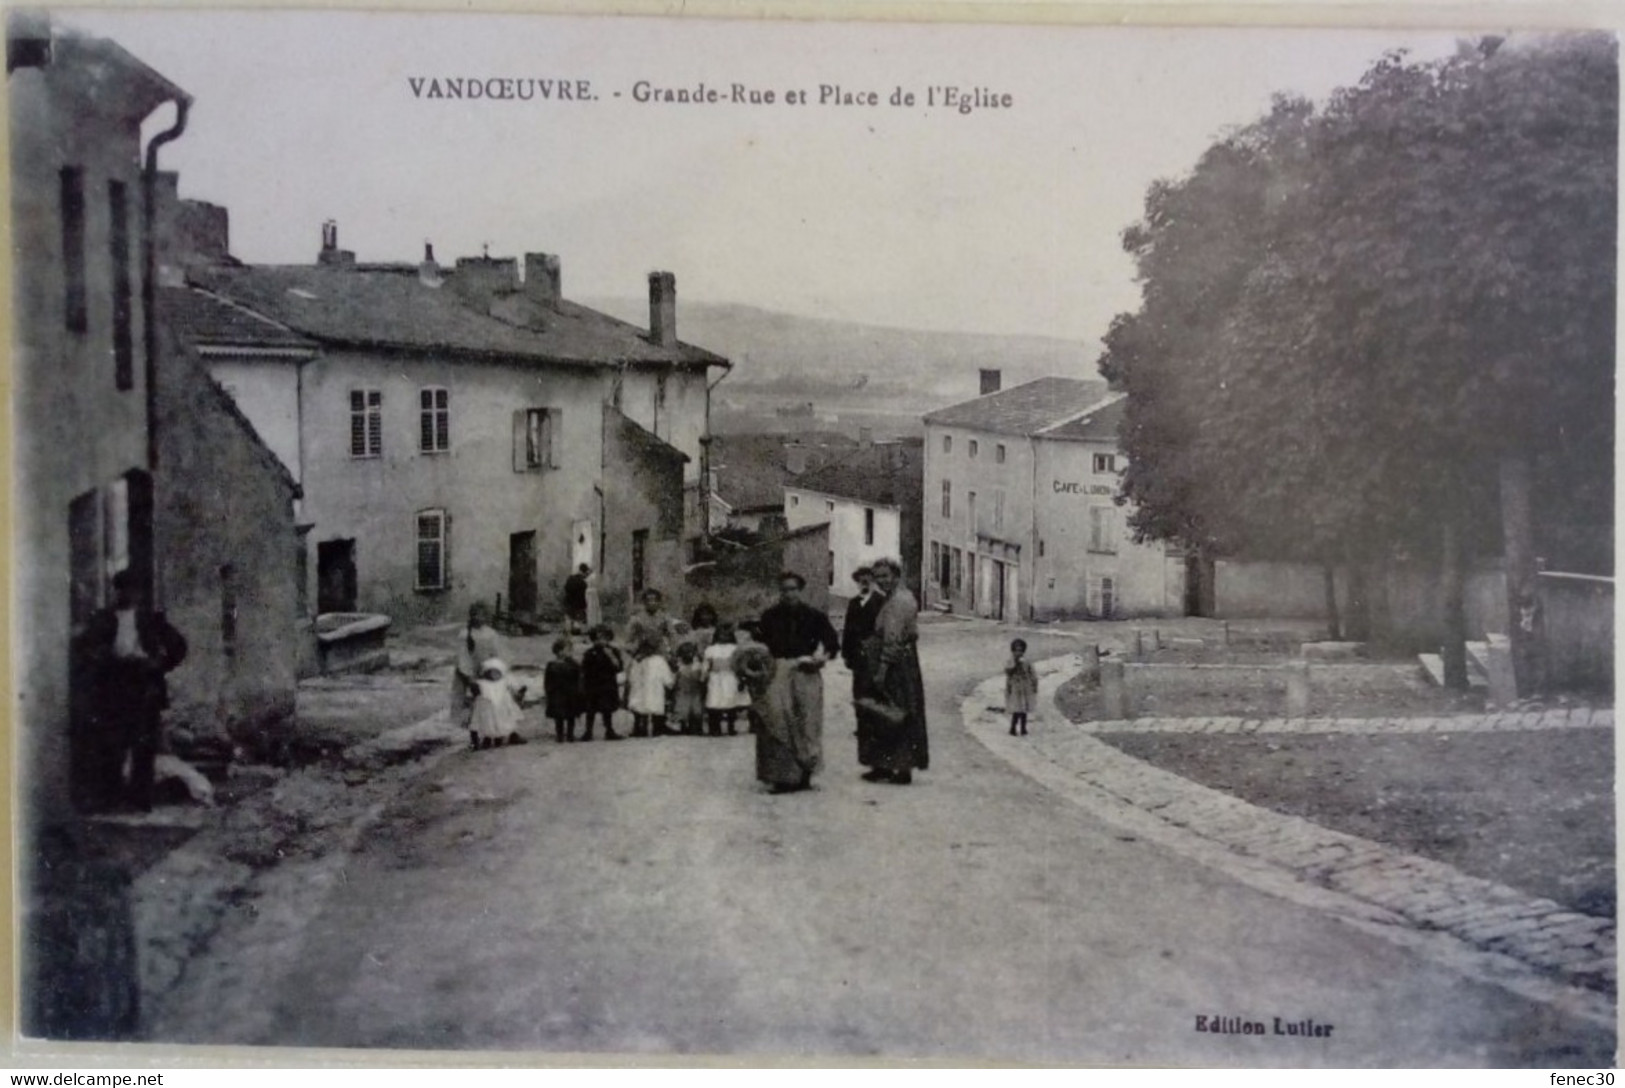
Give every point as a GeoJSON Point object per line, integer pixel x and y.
{"type": "Point", "coordinates": [1114, 691]}
{"type": "Point", "coordinates": [1297, 689]}
{"type": "Point", "coordinates": [1139, 644]}
{"type": "Point", "coordinates": [1503, 681]}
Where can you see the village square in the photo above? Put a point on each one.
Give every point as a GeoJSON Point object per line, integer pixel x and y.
{"type": "Point", "coordinates": [411, 653]}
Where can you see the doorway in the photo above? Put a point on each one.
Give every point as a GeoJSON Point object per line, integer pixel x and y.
{"type": "Point", "coordinates": [1199, 586]}
{"type": "Point", "coordinates": [640, 562]}
{"type": "Point", "coordinates": [522, 573]}
{"type": "Point", "coordinates": [998, 589]}
{"type": "Point", "coordinates": [335, 576]}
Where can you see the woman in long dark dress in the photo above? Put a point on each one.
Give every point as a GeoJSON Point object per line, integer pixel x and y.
{"type": "Point", "coordinates": [899, 745]}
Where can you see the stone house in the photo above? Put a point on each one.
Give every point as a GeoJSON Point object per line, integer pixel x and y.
{"type": "Point", "coordinates": [1020, 518]}
{"type": "Point", "coordinates": [466, 433]}
{"type": "Point", "coordinates": [872, 501]}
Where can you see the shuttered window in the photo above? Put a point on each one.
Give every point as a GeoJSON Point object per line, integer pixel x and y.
{"type": "Point", "coordinates": [535, 439]}
{"type": "Point", "coordinates": [366, 423]}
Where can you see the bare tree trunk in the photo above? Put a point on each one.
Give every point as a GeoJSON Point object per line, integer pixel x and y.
{"type": "Point", "coordinates": [1518, 540]}
{"type": "Point", "coordinates": [1334, 622]}
{"type": "Point", "coordinates": [1452, 580]}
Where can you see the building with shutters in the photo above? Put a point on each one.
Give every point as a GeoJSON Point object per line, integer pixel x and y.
{"type": "Point", "coordinates": [463, 433]}
{"type": "Point", "coordinates": [1020, 517]}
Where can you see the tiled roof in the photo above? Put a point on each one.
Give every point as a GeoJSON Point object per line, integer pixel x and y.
{"type": "Point", "coordinates": [394, 308]}
{"type": "Point", "coordinates": [883, 474]}
{"type": "Point", "coordinates": [1024, 409]}
{"type": "Point", "coordinates": [205, 319]}
{"type": "Point", "coordinates": [1099, 424]}
{"type": "Point", "coordinates": [749, 471]}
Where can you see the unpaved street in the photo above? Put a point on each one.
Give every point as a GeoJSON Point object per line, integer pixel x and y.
{"type": "Point", "coordinates": [647, 897]}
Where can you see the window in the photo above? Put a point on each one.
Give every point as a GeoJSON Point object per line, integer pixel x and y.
{"type": "Point", "coordinates": [1105, 463]}
{"type": "Point", "coordinates": [1103, 596]}
{"type": "Point", "coordinates": [640, 561]}
{"type": "Point", "coordinates": [1103, 530]}
{"type": "Point", "coordinates": [1040, 547]}
{"type": "Point", "coordinates": [535, 439]}
{"type": "Point", "coordinates": [831, 568]}
{"type": "Point", "coordinates": [868, 526]}
{"type": "Point", "coordinates": [998, 454]}
{"type": "Point", "coordinates": [974, 446]}
{"type": "Point", "coordinates": [795, 500]}
{"type": "Point", "coordinates": [959, 570]}
{"type": "Point", "coordinates": [970, 509]}
{"type": "Point", "coordinates": [998, 509]}
{"type": "Point", "coordinates": [228, 609]}
{"type": "Point", "coordinates": [366, 423]}
{"type": "Point", "coordinates": [936, 562]}
{"type": "Point", "coordinates": [947, 443]}
{"type": "Point", "coordinates": [76, 314]}
{"type": "Point", "coordinates": [434, 420]}
{"type": "Point", "coordinates": [431, 549]}
{"type": "Point", "coordinates": [829, 507]}
{"type": "Point", "coordinates": [947, 499]}
{"type": "Point", "coordinates": [118, 244]}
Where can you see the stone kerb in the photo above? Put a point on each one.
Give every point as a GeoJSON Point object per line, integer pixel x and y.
{"type": "Point", "coordinates": [1529, 945]}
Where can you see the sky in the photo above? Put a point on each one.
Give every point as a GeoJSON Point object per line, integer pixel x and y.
{"type": "Point", "coordinates": [1002, 220]}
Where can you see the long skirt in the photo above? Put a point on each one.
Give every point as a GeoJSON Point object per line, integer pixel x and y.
{"type": "Point", "coordinates": [904, 746]}
{"type": "Point", "coordinates": [790, 746]}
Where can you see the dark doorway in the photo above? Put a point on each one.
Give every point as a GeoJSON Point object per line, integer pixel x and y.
{"type": "Point", "coordinates": [84, 588]}
{"type": "Point", "coordinates": [998, 590]}
{"type": "Point", "coordinates": [640, 561]}
{"type": "Point", "coordinates": [522, 573]}
{"type": "Point", "coordinates": [335, 576]}
{"type": "Point", "coordinates": [1199, 589]}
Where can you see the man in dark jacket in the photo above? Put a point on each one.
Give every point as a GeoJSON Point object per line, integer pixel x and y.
{"type": "Point", "coordinates": [860, 624]}
{"type": "Point", "coordinates": [128, 651]}
{"type": "Point", "coordinates": [575, 600]}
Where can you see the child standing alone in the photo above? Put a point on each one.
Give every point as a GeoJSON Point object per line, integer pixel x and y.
{"type": "Point", "coordinates": [1020, 687]}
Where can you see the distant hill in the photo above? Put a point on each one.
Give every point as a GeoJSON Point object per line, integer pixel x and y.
{"type": "Point", "coordinates": [830, 362]}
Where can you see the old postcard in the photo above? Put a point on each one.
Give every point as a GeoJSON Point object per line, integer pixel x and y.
{"type": "Point", "coordinates": [814, 541]}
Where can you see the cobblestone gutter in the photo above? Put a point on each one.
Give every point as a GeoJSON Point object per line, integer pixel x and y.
{"type": "Point", "coordinates": [1532, 946]}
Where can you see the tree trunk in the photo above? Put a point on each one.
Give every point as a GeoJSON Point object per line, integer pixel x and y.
{"type": "Point", "coordinates": [1334, 622]}
{"type": "Point", "coordinates": [1518, 541]}
{"type": "Point", "coordinates": [1358, 626]}
{"type": "Point", "coordinates": [1452, 581]}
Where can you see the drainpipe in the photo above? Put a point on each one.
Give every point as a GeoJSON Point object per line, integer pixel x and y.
{"type": "Point", "coordinates": [149, 311]}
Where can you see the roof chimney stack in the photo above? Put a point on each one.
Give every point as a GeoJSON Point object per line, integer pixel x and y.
{"type": "Point", "coordinates": [991, 380]}
{"type": "Point", "coordinates": [543, 280]}
{"type": "Point", "coordinates": [331, 254]}
{"type": "Point", "coordinates": [429, 270]}
{"type": "Point", "coordinates": [663, 309]}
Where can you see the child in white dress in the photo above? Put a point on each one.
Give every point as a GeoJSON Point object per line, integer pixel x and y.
{"type": "Point", "coordinates": [721, 685]}
{"type": "Point", "coordinates": [649, 680]}
{"type": "Point", "coordinates": [495, 718]}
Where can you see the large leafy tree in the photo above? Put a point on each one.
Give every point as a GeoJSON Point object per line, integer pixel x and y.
{"type": "Point", "coordinates": [1361, 326]}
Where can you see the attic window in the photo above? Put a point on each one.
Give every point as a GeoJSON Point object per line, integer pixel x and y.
{"type": "Point", "coordinates": [300, 292]}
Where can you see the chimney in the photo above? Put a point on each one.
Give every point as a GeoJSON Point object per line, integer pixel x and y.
{"type": "Point", "coordinates": [28, 39]}
{"type": "Point", "coordinates": [866, 437]}
{"type": "Point", "coordinates": [429, 270]}
{"type": "Point", "coordinates": [331, 254]}
{"type": "Point", "coordinates": [991, 379]}
{"type": "Point", "coordinates": [481, 279]}
{"type": "Point", "coordinates": [663, 309]}
{"type": "Point", "coordinates": [542, 280]}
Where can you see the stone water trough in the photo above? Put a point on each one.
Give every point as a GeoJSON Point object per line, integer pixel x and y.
{"type": "Point", "coordinates": [351, 642]}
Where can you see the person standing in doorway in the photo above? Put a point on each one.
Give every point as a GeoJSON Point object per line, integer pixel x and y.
{"type": "Point", "coordinates": [575, 601]}
{"type": "Point", "coordinates": [789, 748]}
{"type": "Point", "coordinates": [130, 649]}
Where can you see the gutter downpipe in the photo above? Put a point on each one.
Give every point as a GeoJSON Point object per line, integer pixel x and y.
{"type": "Point", "coordinates": [149, 307]}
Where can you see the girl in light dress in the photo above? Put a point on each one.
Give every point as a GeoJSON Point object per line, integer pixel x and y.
{"type": "Point", "coordinates": [649, 681]}
{"type": "Point", "coordinates": [722, 692]}
{"type": "Point", "coordinates": [494, 720]}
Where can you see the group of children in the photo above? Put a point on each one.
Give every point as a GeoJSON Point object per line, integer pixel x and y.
{"type": "Point", "coordinates": [693, 686]}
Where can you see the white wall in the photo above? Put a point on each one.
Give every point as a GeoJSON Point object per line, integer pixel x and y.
{"type": "Point", "coordinates": [267, 392]}
{"type": "Point", "coordinates": [846, 532]}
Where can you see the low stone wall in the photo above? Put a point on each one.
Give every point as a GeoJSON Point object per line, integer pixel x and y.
{"type": "Point", "coordinates": [1579, 621]}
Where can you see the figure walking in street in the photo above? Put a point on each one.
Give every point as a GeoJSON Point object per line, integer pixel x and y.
{"type": "Point", "coordinates": [575, 601]}
{"type": "Point", "coordinates": [800, 639]}
{"type": "Point", "coordinates": [1020, 687]}
{"type": "Point", "coordinates": [892, 656]}
{"type": "Point", "coordinates": [601, 669]}
{"type": "Point", "coordinates": [722, 695]}
{"type": "Point", "coordinates": [861, 612]}
{"type": "Point", "coordinates": [129, 650]}
{"type": "Point", "coordinates": [561, 689]}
